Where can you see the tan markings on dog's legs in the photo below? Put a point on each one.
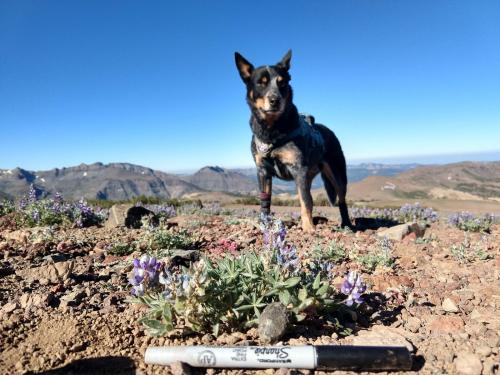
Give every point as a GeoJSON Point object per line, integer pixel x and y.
{"type": "Point", "coordinates": [259, 160]}
{"type": "Point", "coordinates": [305, 214]}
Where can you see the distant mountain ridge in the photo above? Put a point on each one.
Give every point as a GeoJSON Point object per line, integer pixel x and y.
{"type": "Point", "coordinates": [122, 181]}
{"type": "Point", "coordinates": [220, 179]}
{"type": "Point", "coordinates": [114, 181]}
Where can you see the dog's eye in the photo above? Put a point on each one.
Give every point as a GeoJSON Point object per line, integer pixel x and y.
{"type": "Point", "coordinates": [281, 82]}
{"type": "Point", "coordinates": [262, 81]}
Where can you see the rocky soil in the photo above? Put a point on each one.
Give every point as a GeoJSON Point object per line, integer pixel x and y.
{"type": "Point", "coordinates": [63, 298]}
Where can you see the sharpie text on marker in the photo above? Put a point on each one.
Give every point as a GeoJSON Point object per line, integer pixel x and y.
{"type": "Point", "coordinates": [334, 357]}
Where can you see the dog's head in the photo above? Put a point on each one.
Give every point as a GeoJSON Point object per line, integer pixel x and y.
{"type": "Point", "coordinates": [268, 88]}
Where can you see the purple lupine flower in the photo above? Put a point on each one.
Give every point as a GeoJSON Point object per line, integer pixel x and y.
{"type": "Point", "coordinates": [145, 274]}
{"type": "Point", "coordinates": [287, 258]}
{"type": "Point", "coordinates": [353, 287]}
{"type": "Point", "coordinates": [32, 196]}
{"type": "Point", "coordinates": [327, 267]}
{"type": "Point", "coordinates": [35, 215]}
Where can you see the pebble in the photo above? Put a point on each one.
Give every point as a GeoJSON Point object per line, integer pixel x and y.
{"type": "Point", "coordinates": [468, 364]}
{"type": "Point", "coordinates": [180, 368]}
{"type": "Point", "coordinates": [449, 306]}
{"type": "Point", "coordinates": [273, 322]}
{"type": "Point", "coordinates": [483, 350]}
{"type": "Point", "coordinates": [413, 324]}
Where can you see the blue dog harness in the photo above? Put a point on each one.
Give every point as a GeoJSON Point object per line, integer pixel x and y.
{"type": "Point", "coordinates": [312, 138]}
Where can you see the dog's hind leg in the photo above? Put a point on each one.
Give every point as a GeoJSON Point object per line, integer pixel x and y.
{"type": "Point", "coordinates": [330, 190]}
{"type": "Point", "coordinates": [335, 186]}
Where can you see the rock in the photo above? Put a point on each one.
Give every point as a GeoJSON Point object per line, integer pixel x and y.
{"type": "Point", "coordinates": [446, 324]}
{"type": "Point", "coordinates": [8, 308]}
{"type": "Point", "coordinates": [418, 229]}
{"type": "Point", "coordinates": [51, 273]}
{"type": "Point", "coordinates": [413, 324]}
{"type": "Point", "coordinates": [110, 300]}
{"type": "Point", "coordinates": [126, 215]}
{"type": "Point", "coordinates": [54, 258]}
{"type": "Point", "coordinates": [382, 336]}
{"type": "Point", "coordinates": [483, 350]}
{"type": "Point", "coordinates": [449, 306]}
{"type": "Point", "coordinates": [468, 364]}
{"type": "Point", "coordinates": [20, 236]}
{"type": "Point", "coordinates": [486, 316]}
{"type": "Point", "coordinates": [490, 367]}
{"type": "Point", "coordinates": [492, 339]}
{"type": "Point", "coordinates": [180, 368]}
{"type": "Point", "coordinates": [72, 299]}
{"type": "Point", "coordinates": [36, 300]}
{"type": "Point", "coordinates": [273, 322]}
{"type": "Point", "coordinates": [395, 233]}
{"type": "Point", "coordinates": [184, 257]}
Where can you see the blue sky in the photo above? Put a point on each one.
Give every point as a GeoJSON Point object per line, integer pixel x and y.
{"type": "Point", "coordinates": [154, 83]}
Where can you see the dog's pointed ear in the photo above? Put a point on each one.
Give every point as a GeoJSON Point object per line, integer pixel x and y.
{"type": "Point", "coordinates": [244, 67]}
{"type": "Point", "coordinates": [285, 61]}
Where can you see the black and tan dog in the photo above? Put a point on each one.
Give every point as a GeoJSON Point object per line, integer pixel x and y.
{"type": "Point", "coordinates": [289, 145]}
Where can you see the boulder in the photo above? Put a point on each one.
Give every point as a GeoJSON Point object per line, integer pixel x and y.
{"type": "Point", "coordinates": [396, 233]}
{"type": "Point", "coordinates": [52, 273]}
{"type": "Point", "coordinates": [126, 215]}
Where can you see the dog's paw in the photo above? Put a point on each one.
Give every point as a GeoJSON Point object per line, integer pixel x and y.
{"type": "Point", "coordinates": [308, 227]}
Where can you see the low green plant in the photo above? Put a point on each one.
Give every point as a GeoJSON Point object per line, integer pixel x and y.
{"type": "Point", "coordinates": [466, 252]}
{"type": "Point", "coordinates": [469, 222]}
{"type": "Point", "coordinates": [121, 249]}
{"type": "Point", "coordinates": [334, 251]}
{"type": "Point", "coordinates": [230, 293]}
{"type": "Point", "coordinates": [6, 207]}
{"type": "Point", "coordinates": [160, 240]}
{"type": "Point", "coordinates": [383, 256]}
{"type": "Point", "coordinates": [426, 240]}
{"type": "Point", "coordinates": [35, 211]}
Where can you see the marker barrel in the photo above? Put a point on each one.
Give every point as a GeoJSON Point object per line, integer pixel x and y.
{"type": "Point", "coordinates": [331, 357]}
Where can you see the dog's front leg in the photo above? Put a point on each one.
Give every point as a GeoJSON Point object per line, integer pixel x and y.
{"type": "Point", "coordinates": [266, 185]}
{"type": "Point", "coordinates": [306, 202]}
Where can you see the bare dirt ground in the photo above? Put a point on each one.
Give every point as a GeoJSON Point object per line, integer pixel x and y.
{"type": "Point", "coordinates": [63, 308]}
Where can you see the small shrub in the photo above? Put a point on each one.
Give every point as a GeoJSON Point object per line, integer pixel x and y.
{"type": "Point", "coordinates": [404, 214]}
{"type": "Point", "coordinates": [33, 211]}
{"type": "Point", "coordinates": [383, 257]}
{"type": "Point", "coordinates": [230, 294]}
{"type": "Point", "coordinates": [465, 252]}
{"type": "Point", "coordinates": [121, 249]}
{"type": "Point", "coordinates": [469, 222]}
{"type": "Point", "coordinates": [6, 207]}
{"type": "Point", "coordinates": [334, 252]}
{"type": "Point", "coordinates": [159, 238]}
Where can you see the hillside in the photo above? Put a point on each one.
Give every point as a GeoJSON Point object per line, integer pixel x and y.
{"type": "Point", "coordinates": [114, 181]}
{"type": "Point", "coordinates": [220, 179]}
{"type": "Point", "coordinates": [459, 181]}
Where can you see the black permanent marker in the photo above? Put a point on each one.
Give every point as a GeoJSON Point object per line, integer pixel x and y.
{"type": "Point", "coordinates": [331, 357]}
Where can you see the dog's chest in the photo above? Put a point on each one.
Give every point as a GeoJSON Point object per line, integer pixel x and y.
{"type": "Point", "coordinates": [283, 161]}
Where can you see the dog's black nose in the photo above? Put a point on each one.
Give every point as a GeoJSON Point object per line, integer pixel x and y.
{"type": "Point", "coordinates": [274, 100]}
